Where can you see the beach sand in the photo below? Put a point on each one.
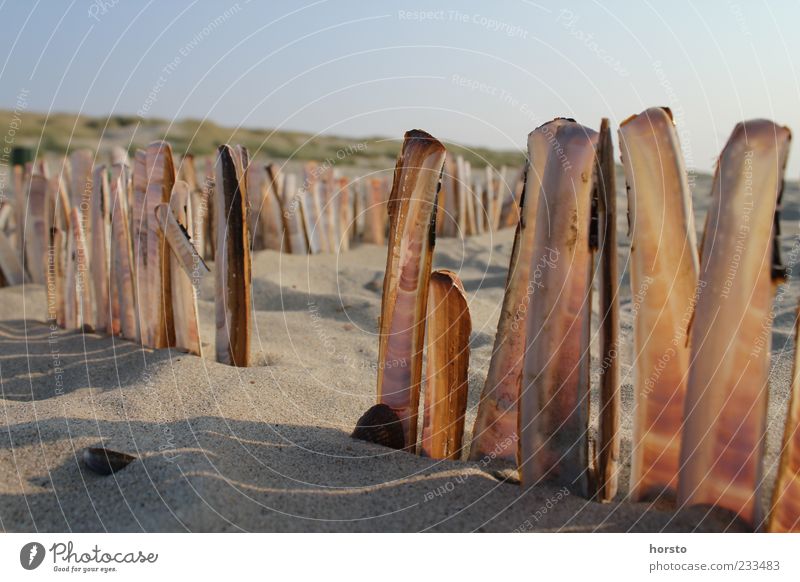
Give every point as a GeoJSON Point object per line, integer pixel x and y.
{"type": "Point", "coordinates": [267, 448]}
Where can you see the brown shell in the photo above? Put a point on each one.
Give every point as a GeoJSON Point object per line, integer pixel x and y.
{"type": "Point", "coordinates": [725, 420]}
{"type": "Point", "coordinates": [607, 468]}
{"type": "Point", "coordinates": [105, 461]}
{"type": "Point", "coordinates": [380, 425]}
{"type": "Point", "coordinates": [553, 412]}
{"type": "Point", "coordinates": [663, 281]}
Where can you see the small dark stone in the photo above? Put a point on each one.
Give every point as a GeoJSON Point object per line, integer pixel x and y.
{"type": "Point", "coordinates": [105, 461]}
{"type": "Point", "coordinates": [380, 425]}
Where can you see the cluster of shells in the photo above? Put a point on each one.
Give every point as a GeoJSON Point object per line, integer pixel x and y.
{"type": "Point", "coordinates": [701, 332]}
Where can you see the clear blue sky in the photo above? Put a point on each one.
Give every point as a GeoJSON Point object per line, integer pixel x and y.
{"type": "Point", "coordinates": [479, 73]}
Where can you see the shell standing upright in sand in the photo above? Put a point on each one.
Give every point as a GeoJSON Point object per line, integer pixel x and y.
{"type": "Point", "coordinates": [345, 214]}
{"type": "Point", "coordinates": [35, 235]}
{"type": "Point", "coordinates": [495, 430]}
{"type": "Point", "coordinates": [293, 218]}
{"type": "Point", "coordinates": [122, 253]}
{"type": "Point", "coordinates": [160, 180]}
{"type": "Point", "coordinates": [257, 193]}
{"type": "Point", "coordinates": [80, 190]}
{"type": "Point", "coordinates": [374, 213]}
{"type": "Point", "coordinates": [330, 210]}
{"type": "Point", "coordinates": [608, 447]}
{"type": "Point", "coordinates": [57, 226]}
{"type": "Point", "coordinates": [726, 397]}
{"type": "Point", "coordinates": [272, 230]}
{"type": "Point", "coordinates": [554, 401]}
{"type": "Point", "coordinates": [447, 218]}
{"type": "Point", "coordinates": [232, 261]}
{"type": "Point", "coordinates": [101, 258]}
{"type": "Point", "coordinates": [664, 267]}
{"type": "Point", "coordinates": [139, 243]}
{"type": "Point", "coordinates": [412, 206]}
{"type": "Point", "coordinates": [316, 233]}
{"type": "Point", "coordinates": [79, 269]}
{"type": "Point", "coordinates": [186, 267]}
{"type": "Point", "coordinates": [10, 266]}
{"type": "Point", "coordinates": [447, 367]}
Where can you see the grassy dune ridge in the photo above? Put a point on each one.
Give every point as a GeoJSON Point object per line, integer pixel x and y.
{"type": "Point", "coordinates": [61, 133]}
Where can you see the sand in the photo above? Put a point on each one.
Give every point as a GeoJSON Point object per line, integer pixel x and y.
{"type": "Point", "coordinates": [267, 448]}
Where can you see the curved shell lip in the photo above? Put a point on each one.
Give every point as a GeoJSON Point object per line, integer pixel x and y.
{"type": "Point", "coordinates": [555, 120]}
{"type": "Point", "coordinates": [453, 278]}
{"type": "Point", "coordinates": [651, 116]}
{"type": "Point", "coordinates": [756, 130]}
{"type": "Point", "coordinates": [649, 111]}
{"type": "Point", "coordinates": [425, 137]}
{"type": "Point", "coordinates": [554, 124]}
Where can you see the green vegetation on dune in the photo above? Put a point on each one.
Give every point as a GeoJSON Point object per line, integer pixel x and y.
{"type": "Point", "coordinates": [60, 133]}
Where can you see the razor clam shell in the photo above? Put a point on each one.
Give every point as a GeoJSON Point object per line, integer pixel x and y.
{"type": "Point", "coordinates": [100, 250]}
{"type": "Point", "coordinates": [19, 211]}
{"type": "Point", "coordinates": [345, 214]}
{"type": "Point", "coordinates": [412, 208]}
{"type": "Point", "coordinates": [119, 156]}
{"type": "Point", "coordinates": [272, 231]}
{"type": "Point", "coordinates": [59, 275]}
{"type": "Point", "coordinates": [257, 193]}
{"type": "Point", "coordinates": [555, 385]}
{"type": "Point", "coordinates": [664, 270]}
{"type": "Point", "coordinates": [35, 233]}
{"type": "Point", "coordinates": [316, 234]}
{"type": "Point", "coordinates": [139, 229]}
{"type": "Point", "coordinates": [79, 281]}
{"type": "Point", "coordinates": [447, 217]}
{"type": "Point", "coordinates": [232, 261]}
{"type": "Point", "coordinates": [70, 276]}
{"type": "Point", "coordinates": [495, 429]}
{"type": "Point", "coordinates": [9, 262]}
{"type": "Point", "coordinates": [726, 398]}
{"type": "Point", "coordinates": [5, 214]}
{"type": "Point", "coordinates": [447, 367]}
{"type": "Point", "coordinates": [186, 172]}
{"type": "Point", "coordinates": [328, 212]}
{"type": "Point", "coordinates": [380, 425]}
{"type": "Point", "coordinates": [607, 458]}
{"type": "Point", "coordinates": [206, 220]}
{"type": "Point", "coordinates": [81, 162]}
{"type": "Point", "coordinates": [122, 254]}
{"type": "Point", "coordinates": [172, 223]}
{"type": "Point", "coordinates": [160, 180]}
{"type": "Point", "coordinates": [510, 203]}
{"type": "Point", "coordinates": [292, 217]}
{"type": "Point", "coordinates": [186, 267]}
{"type": "Point", "coordinates": [105, 461]}
{"type": "Point", "coordinates": [375, 213]}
